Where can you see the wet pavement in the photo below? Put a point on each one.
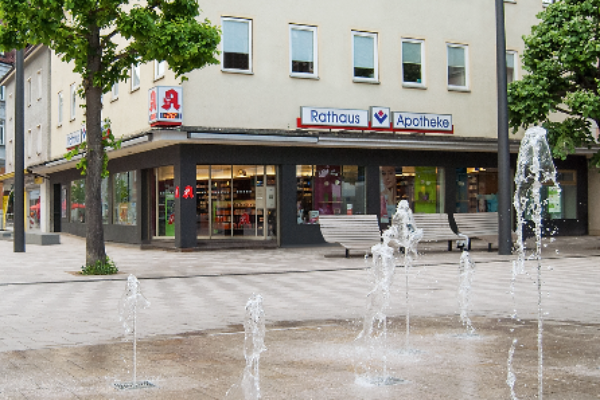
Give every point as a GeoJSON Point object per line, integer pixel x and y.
{"type": "Point", "coordinates": [60, 336]}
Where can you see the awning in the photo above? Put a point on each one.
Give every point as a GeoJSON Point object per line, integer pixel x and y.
{"type": "Point", "coordinates": [9, 175]}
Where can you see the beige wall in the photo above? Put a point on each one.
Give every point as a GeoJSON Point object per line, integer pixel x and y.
{"type": "Point", "coordinates": [270, 99]}
{"type": "Point", "coordinates": [36, 118]}
{"type": "Point", "coordinates": [593, 195]}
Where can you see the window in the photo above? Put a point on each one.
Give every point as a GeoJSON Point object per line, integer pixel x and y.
{"type": "Point", "coordinates": [237, 45]}
{"type": "Point", "coordinates": [329, 190]}
{"type": "Point", "coordinates": [476, 190]}
{"type": "Point", "coordinates": [105, 200]}
{"type": "Point", "coordinates": [422, 187]}
{"type": "Point", "coordinates": [39, 85]}
{"type": "Point", "coordinates": [511, 66]}
{"type": "Point", "coordinates": [38, 140]}
{"type": "Point", "coordinates": [29, 143]}
{"type": "Point", "coordinates": [2, 93]}
{"type": "Point", "coordinates": [303, 51]}
{"type": "Point", "coordinates": [125, 198]}
{"type": "Point", "coordinates": [78, 201]}
{"type": "Point", "coordinates": [60, 109]}
{"type": "Point", "coordinates": [73, 101]}
{"type": "Point", "coordinates": [115, 91]}
{"type": "Point", "coordinates": [364, 54]}
{"type": "Point", "coordinates": [28, 92]}
{"type": "Point", "coordinates": [412, 62]}
{"type": "Point", "coordinates": [1, 131]}
{"type": "Point", "coordinates": [159, 69]}
{"type": "Point", "coordinates": [457, 66]}
{"type": "Point", "coordinates": [135, 77]}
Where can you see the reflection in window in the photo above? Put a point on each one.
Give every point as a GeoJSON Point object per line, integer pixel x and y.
{"type": "Point", "coordinates": [78, 201]}
{"type": "Point", "coordinates": [476, 190]}
{"type": "Point", "coordinates": [125, 195]}
{"type": "Point", "coordinates": [422, 187]}
{"type": "Point", "coordinates": [329, 190]}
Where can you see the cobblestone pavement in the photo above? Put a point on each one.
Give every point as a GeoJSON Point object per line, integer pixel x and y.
{"type": "Point", "coordinates": [45, 306]}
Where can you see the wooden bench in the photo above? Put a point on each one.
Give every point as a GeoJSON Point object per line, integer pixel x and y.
{"type": "Point", "coordinates": [353, 232]}
{"type": "Point", "coordinates": [436, 227]}
{"type": "Point", "coordinates": [483, 225]}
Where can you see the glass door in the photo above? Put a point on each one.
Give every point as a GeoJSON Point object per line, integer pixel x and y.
{"type": "Point", "coordinates": [220, 201]}
{"type": "Point", "coordinates": [164, 203]}
{"type": "Point", "coordinates": [244, 200]}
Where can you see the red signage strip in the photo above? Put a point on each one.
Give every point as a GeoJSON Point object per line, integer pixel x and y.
{"type": "Point", "coordinates": [369, 128]}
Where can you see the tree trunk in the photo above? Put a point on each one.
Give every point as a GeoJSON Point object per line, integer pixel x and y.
{"type": "Point", "coordinates": [95, 250]}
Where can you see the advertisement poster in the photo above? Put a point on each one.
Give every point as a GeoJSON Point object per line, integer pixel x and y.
{"type": "Point", "coordinates": [554, 200]}
{"type": "Point", "coordinates": [425, 189]}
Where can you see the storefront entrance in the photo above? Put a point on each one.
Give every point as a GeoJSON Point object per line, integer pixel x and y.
{"type": "Point", "coordinates": [236, 201]}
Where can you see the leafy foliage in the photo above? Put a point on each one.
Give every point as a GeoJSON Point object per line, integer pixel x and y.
{"type": "Point", "coordinates": [105, 267]}
{"type": "Point", "coordinates": [561, 58]}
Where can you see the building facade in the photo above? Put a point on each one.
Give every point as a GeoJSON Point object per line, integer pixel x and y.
{"type": "Point", "coordinates": [312, 111]}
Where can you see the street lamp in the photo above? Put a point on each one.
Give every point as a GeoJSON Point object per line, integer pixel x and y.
{"type": "Point", "coordinates": [19, 204]}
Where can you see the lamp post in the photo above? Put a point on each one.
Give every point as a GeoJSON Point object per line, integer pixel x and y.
{"type": "Point", "coordinates": [19, 204]}
{"type": "Point", "coordinates": [504, 186]}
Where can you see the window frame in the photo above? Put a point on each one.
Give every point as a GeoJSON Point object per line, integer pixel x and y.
{"type": "Point", "coordinates": [72, 102]}
{"type": "Point", "coordinates": [135, 68]}
{"type": "Point", "coordinates": [250, 69]}
{"type": "Point", "coordinates": [114, 94]}
{"type": "Point", "coordinates": [158, 74]}
{"type": "Point", "coordinates": [60, 107]}
{"type": "Point", "coordinates": [515, 58]}
{"type": "Point", "coordinates": [375, 37]}
{"type": "Point", "coordinates": [2, 93]}
{"type": "Point", "coordinates": [309, 28]}
{"type": "Point", "coordinates": [2, 131]}
{"type": "Point", "coordinates": [423, 83]}
{"type": "Point", "coordinates": [466, 87]}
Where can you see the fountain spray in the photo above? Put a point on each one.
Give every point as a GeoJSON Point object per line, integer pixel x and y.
{"type": "Point", "coordinates": [535, 167]}
{"type": "Point", "coordinates": [130, 301]}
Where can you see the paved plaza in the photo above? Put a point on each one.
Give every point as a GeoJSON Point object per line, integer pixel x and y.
{"type": "Point", "coordinates": [60, 335]}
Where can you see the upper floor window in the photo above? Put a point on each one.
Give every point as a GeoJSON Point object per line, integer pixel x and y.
{"type": "Point", "coordinates": [237, 45]}
{"type": "Point", "coordinates": [511, 66]}
{"type": "Point", "coordinates": [39, 85]}
{"type": "Point", "coordinates": [458, 72]}
{"type": "Point", "coordinates": [159, 69]}
{"type": "Point", "coordinates": [412, 62]}
{"type": "Point", "coordinates": [28, 92]}
{"type": "Point", "coordinates": [365, 57]}
{"type": "Point", "coordinates": [60, 109]}
{"type": "Point", "coordinates": [135, 76]}
{"type": "Point", "coordinates": [114, 91]}
{"type": "Point", "coordinates": [1, 132]}
{"type": "Point", "coordinates": [73, 100]}
{"type": "Point", "coordinates": [2, 93]}
{"type": "Point", "coordinates": [303, 51]}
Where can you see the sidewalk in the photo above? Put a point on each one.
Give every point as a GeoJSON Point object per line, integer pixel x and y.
{"type": "Point", "coordinates": [69, 343]}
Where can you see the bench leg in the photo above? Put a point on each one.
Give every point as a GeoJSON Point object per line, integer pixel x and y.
{"type": "Point", "coordinates": [449, 245]}
{"type": "Point", "coordinates": [347, 253]}
{"type": "Point", "coordinates": [489, 247]}
{"type": "Point", "coordinates": [469, 246]}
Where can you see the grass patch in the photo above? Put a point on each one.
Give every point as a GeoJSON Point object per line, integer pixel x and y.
{"type": "Point", "coordinates": [106, 267]}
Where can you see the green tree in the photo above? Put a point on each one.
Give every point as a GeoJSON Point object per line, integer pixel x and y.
{"type": "Point", "coordinates": [103, 38]}
{"type": "Point", "coordinates": [561, 59]}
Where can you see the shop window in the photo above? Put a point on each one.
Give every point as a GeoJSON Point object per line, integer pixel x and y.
{"type": "Point", "coordinates": [303, 51]}
{"type": "Point", "coordinates": [422, 187]}
{"type": "Point", "coordinates": [365, 57]}
{"type": "Point", "coordinates": [457, 66]}
{"type": "Point", "coordinates": [511, 66]}
{"type": "Point", "coordinates": [329, 190]}
{"type": "Point", "coordinates": [237, 45]}
{"type": "Point", "coordinates": [78, 201]}
{"type": "Point", "coordinates": [476, 190]}
{"type": "Point", "coordinates": [34, 211]}
{"type": "Point", "coordinates": [105, 200]}
{"type": "Point", "coordinates": [560, 203]}
{"type": "Point", "coordinates": [125, 198]}
{"type": "Point", "coordinates": [412, 62]}
{"type": "Point", "coordinates": [163, 204]}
